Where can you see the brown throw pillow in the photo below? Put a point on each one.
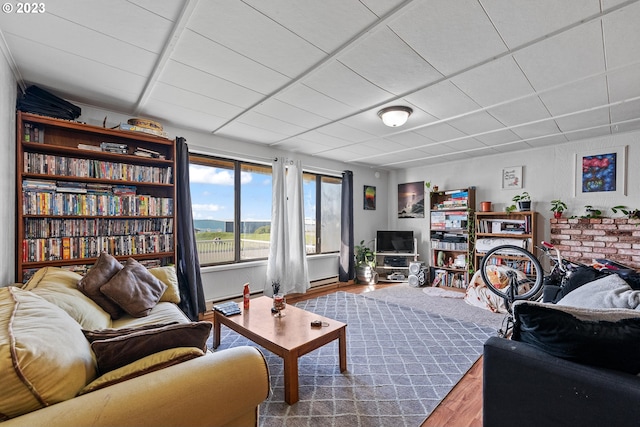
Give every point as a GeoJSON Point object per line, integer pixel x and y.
{"type": "Point", "coordinates": [102, 271]}
{"type": "Point", "coordinates": [107, 333]}
{"type": "Point", "coordinates": [134, 289]}
{"type": "Point", "coordinates": [114, 353]}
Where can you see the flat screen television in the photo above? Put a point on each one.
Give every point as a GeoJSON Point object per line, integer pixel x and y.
{"type": "Point", "coordinates": [395, 241]}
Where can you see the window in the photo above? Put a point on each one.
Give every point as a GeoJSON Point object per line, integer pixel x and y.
{"type": "Point", "coordinates": [231, 203]}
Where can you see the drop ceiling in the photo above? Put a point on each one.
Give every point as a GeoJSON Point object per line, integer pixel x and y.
{"type": "Point", "coordinates": [308, 76]}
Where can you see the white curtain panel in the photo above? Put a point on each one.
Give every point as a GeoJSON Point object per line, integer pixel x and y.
{"type": "Point", "coordinates": [287, 256]}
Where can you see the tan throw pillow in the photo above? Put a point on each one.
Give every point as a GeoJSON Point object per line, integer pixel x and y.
{"type": "Point", "coordinates": [44, 357]}
{"type": "Point", "coordinates": [102, 271]}
{"type": "Point", "coordinates": [153, 362]}
{"type": "Point", "coordinates": [113, 353]}
{"type": "Point", "coordinates": [59, 287]}
{"type": "Point", "coordinates": [168, 276]}
{"type": "Point", "coordinates": [134, 289]}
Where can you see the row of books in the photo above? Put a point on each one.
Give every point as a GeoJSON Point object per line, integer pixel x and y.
{"type": "Point", "coordinates": [47, 203]}
{"type": "Point", "coordinates": [504, 226]}
{"type": "Point", "coordinates": [64, 248]}
{"type": "Point", "coordinates": [47, 164]}
{"type": "Point", "coordinates": [123, 149]}
{"type": "Point", "coordinates": [449, 279]}
{"type": "Point", "coordinates": [448, 220]}
{"type": "Point", "coordinates": [509, 261]}
{"type": "Point", "coordinates": [40, 228]}
{"type": "Point", "coordinates": [33, 133]}
{"type": "Point", "coordinates": [449, 246]}
{"type": "Point", "coordinates": [83, 269]}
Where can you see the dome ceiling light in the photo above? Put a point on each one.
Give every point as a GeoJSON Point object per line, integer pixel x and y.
{"type": "Point", "coordinates": [395, 116]}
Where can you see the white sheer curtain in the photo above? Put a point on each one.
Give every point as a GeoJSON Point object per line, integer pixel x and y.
{"type": "Point", "coordinates": [287, 256]}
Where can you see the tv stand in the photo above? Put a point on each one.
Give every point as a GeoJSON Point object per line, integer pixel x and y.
{"type": "Point", "coordinates": [388, 263]}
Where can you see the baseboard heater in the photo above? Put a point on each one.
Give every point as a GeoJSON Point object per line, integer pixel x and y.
{"type": "Point", "coordinates": [321, 282]}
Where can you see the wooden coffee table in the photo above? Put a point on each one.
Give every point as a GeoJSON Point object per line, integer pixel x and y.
{"type": "Point", "coordinates": [289, 337]}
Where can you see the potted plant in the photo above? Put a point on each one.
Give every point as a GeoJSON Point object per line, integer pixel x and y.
{"type": "Point", "coordinates": [365, 263]}
{"type": "Point", "coordinates": [523, 201]}
{"type": "Point", "coordinates": [592, 212]}
{"type": "Point", "coordinates": [628, 212]}
{"type": "Point", "coordinates": [557, 207]}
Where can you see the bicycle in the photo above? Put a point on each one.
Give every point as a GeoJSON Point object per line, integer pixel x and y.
{"type": "Point", "coordinates": [514, 273]}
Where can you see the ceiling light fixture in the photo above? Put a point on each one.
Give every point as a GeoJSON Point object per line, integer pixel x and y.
{"type": "Point", "coordinates": [395, 116]}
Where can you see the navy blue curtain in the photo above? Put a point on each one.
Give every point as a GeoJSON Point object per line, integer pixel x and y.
{"type": "Point", "coordinates": [347, 261]}
{"type": "Point", "coordinates": [187, 264]}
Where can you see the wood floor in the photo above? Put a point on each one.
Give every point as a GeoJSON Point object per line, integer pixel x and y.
{"type": "Point", "coordinates": [462, 407]}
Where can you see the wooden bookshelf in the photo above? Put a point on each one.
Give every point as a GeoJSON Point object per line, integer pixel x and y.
{"type": "Point", "coordinates": [76, 200]}
{"type": "Point", "coordinates": [518, 227]}
{"type": "Point", "coordinates": [451, 237]}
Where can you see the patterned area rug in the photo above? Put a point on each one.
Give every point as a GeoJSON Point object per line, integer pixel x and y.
{"type": "Point", "coordinates": [401, 362]}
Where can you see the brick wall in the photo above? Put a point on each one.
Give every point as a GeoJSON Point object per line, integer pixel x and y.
{"type": "Point", "coordinates": [583, 239]}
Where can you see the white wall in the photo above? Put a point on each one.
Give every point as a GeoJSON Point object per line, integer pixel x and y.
{"type": "Point", "coordinates": [226, 281]}
{"type": "Point", "coordinates": [548, 173]}
{"type": "Point", "coordinates": [7, 173]}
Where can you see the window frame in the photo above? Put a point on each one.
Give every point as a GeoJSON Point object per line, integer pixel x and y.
{"type": "Point", "coordinates": [216, 161]}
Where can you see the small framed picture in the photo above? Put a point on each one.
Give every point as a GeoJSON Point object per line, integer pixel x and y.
{"type": "Point", "coordinates": [601, 171]}
{"type": "Point", "coordinates": [512, 177]}
{"type": "Point", "coordinates": [369, 198]}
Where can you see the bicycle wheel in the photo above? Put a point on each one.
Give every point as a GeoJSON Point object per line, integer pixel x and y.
{"type": "Point", "coordinates": [513, 273]}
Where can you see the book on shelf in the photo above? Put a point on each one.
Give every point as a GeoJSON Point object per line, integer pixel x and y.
{"type": "Point", "coordinates": [89, 147]}
{"type": "Point", "coordinates": [33, 133]}
{"type": "Point", "coordinates": [145, 152]}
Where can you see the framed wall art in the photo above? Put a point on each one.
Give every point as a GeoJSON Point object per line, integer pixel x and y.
{"type": "Point", "coordinates": [512, 177]}
{"type": "Point", "coordinates": [369, 198]}
{"type": "Point", "coordinates": [411, 200]}
{"type": "Point", "coordinates": [601, 171]}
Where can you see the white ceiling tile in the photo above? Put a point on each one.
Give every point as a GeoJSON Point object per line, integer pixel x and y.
{"type": "Point", "coordinates": [512, 113]}
{"type": "Point", "coordinates": [213, 58]}
{"type": "Point", "coordinates": [309, 99]}
{"type": "Point", "coordinates": [521, 21]}
{"type": "Point", "coordinates": [622, 36]}
{"type": "Point", "coordinates": [626, 127]}
{"type": "Point", "coordinates": [326, 24]}
{"type": "Point", "coordinates": [194, 101]}
{"type": "Point", "coordinates": [547, 140]}
{"type": "Point", "coordinates": [624, 83]}
{"type": "Point", "coordinates": [591, 133]}
{"type": "Point", "coordinates": [498, 138]}
{"type": "Point", "coordinates": [117, 88]}
{"type": "Point", "coordinates": [579, 96]}
{"type": "Point", "coordinates": [383, 56]}
{"type": "Point", "coordinates": [247, 132]}
{"type": "Point", "coordinates": [193, 80]}
{"type": "Point", "coordinates": [443, 100]}
{"type": "Point", "coordinates": [347, 133]}
{"type": "Point", "coordinates": [440, 132]}
{"type": "Point", "coordinates": [63, 36]}
{"type": "Point", "coordinates": [342, 84]}
{"type": "Point", "coordinates": [272, 124]}
{"type": "Point", "coordinates": [124, 25]}
{"type": "Point", "coordinates": [476, 123]}
{"type": "Point", "coordinates": [495, 82]}
{"type": "Point", "coordinates": [467, 144]}
{"type": "Point", "coordinates": [535, 130]}
{"type": "Point", "coordinates": [270, 44]}
{"type": "Point", "coordinates": [564, 58]}
{"type": "Point", "coordinates": [451, 36]}
{"type": "Point", "coordinates": [278, 109]}
{"type": "Point", "coordinates": [584, 120]}
{"type": "Point", "coordinates": [410, 139]}
{"type": "Point", "coordinates": [626, 111]}
{"type": "Point", "coordinates": [181, 117]}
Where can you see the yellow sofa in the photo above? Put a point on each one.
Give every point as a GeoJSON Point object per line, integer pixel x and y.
{"type": "Point", "coordinates": [49, 374]}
